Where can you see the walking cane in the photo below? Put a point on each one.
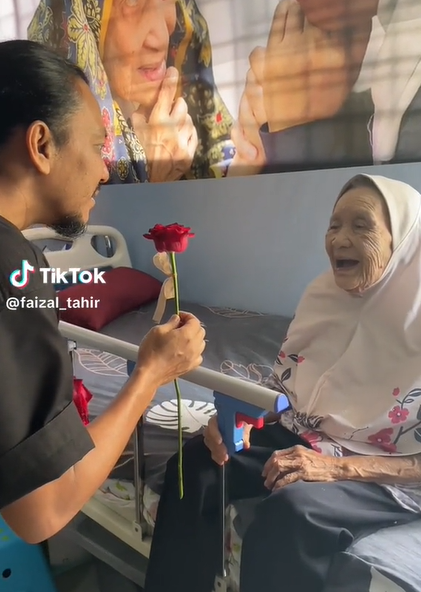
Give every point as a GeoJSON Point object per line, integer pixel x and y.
{"type": "Point", "coordinates": [232, 414]}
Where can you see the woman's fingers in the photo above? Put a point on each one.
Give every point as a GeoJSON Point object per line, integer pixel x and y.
{"type": "Point", "coordinates": [179, 113]}
{"type": "Point", "coordinates": [213, 440]}
{"type": "Point", "coordinates": [162, 109]}
{"type": "Point", "coordinates": [287, 480]}
{"type": "Point", "coordinates": [279, 469]}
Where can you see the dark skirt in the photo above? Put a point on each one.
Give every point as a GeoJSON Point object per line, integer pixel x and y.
{"type": "Point", "coordinates": [292, 539]}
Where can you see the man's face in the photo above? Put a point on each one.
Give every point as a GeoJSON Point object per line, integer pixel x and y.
{"type": "Point", "coordinates": [76, 169]}
{"type": "Point", "coordinates": [334, 15]}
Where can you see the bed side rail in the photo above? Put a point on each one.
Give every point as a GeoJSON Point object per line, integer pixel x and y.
{"type": "Point", "coordinates": [247, 392]}
{"type": "Point", "coordinates": [82, 253]}
{"type": "Point", "coordinates": [236, 388]}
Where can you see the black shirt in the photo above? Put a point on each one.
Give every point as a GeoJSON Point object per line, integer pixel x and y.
{"type": "Point", "coordinates": [41, 433]}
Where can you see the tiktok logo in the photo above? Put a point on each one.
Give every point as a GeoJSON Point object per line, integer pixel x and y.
{"type": "Point", "coordinates": [20, 277]}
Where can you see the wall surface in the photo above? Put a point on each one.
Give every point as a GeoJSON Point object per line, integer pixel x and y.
{"type": "Point", "coordinates": [15, 16]}
{"type": "Point", "coordinates": [259, 240]}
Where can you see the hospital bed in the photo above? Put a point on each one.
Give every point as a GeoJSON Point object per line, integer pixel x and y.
{"type": "Point", "coordinates": [116, 525]}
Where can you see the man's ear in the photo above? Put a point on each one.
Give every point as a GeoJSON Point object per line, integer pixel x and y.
{"type": "Point", "coordinates": [41, 147]}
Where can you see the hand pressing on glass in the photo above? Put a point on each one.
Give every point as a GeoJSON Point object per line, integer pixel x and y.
{"type": "Point", "coordinates": [307, 72]}
{"type": "Point", "coordinates": [249, 156]}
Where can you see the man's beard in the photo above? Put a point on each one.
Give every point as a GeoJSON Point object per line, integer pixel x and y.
{"type": "Point", "coordinates": [69, 227]}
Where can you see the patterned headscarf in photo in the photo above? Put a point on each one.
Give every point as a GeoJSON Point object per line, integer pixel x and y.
{"type": "Point", "coordinates": [77, 29]}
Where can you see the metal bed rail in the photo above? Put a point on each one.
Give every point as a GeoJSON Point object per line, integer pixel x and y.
{"type": "Point", "coordinates": [236, 388]}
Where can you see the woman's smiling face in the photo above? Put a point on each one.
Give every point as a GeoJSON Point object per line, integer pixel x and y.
{"type": "Point", "coordinates": [359, 239]}
{"type": "Point", "coordinates": [136, 48]}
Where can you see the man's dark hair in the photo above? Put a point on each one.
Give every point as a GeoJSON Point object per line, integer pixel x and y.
{"type": "Point", "coordinates": [36, 84]}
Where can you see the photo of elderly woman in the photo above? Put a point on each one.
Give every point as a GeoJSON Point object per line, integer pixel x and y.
{"type": "Point", "coordinates": [149, 63]}
{"type": "Point", "coordinates": [194, 89]}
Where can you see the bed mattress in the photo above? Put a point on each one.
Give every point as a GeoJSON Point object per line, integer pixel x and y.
{"type": "Point", "coordinates": [242, 344]}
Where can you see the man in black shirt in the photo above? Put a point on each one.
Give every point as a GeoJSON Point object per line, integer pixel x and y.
{"type": "Point", "coordinates": [51, 167]}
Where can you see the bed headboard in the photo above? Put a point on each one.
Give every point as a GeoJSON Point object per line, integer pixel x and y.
{"type": "Point", "coordinates": [81, 252]}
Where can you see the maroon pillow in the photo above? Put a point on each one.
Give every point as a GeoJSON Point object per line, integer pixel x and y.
{"type": "Point", "coordinates": [125, 289]}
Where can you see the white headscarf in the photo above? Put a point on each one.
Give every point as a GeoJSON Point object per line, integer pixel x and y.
{"type": "Point", "coordinates": [351, 365]}
{"type": "Point", "coordinates": [392, 69]}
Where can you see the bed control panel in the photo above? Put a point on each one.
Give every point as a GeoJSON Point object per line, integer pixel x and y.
{"type": "Point", "coordinates": [233, 413]}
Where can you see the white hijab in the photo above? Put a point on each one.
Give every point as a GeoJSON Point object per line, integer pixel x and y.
{"type": "Point", "coordinates": [352, 364]}
{"type": "Point", "coordinates": [392, 69]}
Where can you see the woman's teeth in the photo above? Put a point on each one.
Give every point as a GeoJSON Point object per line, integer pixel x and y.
{"type": "Point", "coordinates": [346, 263]}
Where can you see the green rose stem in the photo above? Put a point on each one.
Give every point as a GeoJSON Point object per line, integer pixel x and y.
{"type": "Point", "coordinates": [177, 388]}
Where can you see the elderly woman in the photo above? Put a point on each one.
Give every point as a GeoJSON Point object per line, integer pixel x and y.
{"type": "Point", "coordinates": [149, 63]}
{"type": "Point", "coordinates": [345, 461]}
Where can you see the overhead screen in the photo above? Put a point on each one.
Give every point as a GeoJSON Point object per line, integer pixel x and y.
{"type": "Point", "coordinates": [214, 88]}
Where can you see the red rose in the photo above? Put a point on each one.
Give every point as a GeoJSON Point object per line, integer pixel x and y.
{"type": "Point", "coordinates": [81, 398]}
{"type": "Point", "coordinates": [173, 238]}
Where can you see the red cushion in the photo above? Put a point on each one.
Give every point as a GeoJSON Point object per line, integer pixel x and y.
{"type": "Point", "coordinates": [125, 289]}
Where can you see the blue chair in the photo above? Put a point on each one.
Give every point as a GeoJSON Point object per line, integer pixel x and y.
{"type": "Point", "coordinates": [23, 567]}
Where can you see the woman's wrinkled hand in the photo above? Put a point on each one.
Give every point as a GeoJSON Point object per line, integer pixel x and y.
{"type": "Point", "coordinates": [300, 464]}
{"type": "Point", "coordinates": [168, 137]}
{"type": "Point", "coordinates": [213, 440]}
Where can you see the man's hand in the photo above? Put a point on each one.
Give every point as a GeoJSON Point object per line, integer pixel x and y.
{"type": "Point", "coordinates": [213, 440]}
{"type": "Point", "coordinates": [299, 463]}
{"type": "Point", "coordinates": [306, 73]}
{"type": "Point", "coordinates": [172, 349]}
{"type": "Point", "coordinates": [167, 351]}
{"type": "Point", "coordinates": [169, 137]}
